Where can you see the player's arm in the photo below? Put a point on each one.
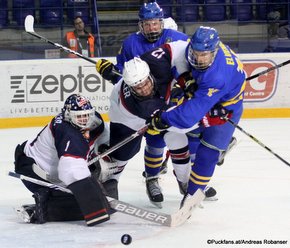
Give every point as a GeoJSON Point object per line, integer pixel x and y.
{"type": "Point", "coordinates": [216, 116]}
{"type": "Point", "coordinates": [108, 70]}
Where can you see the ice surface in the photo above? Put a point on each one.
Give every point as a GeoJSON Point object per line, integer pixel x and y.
{"type": "Point", "coordinates": [253, 190]}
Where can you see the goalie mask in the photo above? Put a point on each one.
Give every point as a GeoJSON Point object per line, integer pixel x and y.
{"type": "Point", "coordinates": [136, 74]}
{"type": "Point", "coordinates": [151, 21]}
{"type": "Point", "coordinates": [79, 112]}
{"type": "Point", "coordinates": [203, 47]}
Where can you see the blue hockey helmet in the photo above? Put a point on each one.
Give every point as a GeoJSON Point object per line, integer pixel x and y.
{"type": "Point", "coordinates": [205, 40]}
{"type": "Point", "coordinates": [79, 112]}
{"type": "Point", "coordinates": [151, 11]}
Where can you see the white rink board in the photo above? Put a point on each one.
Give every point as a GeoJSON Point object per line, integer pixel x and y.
{"type": "Point", "coordinates": [34, 88]}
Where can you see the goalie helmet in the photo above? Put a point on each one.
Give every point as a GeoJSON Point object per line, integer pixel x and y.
{"type": "Point", "coordinates": [151, 11]}
{"type": "Point", "coordinates": [203, 46]}
{"type": "Point", "coordinates": [79, 112]}
{"type": "Point", "coordinates": [136, 74]}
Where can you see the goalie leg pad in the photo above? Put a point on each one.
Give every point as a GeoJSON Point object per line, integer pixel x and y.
{"type": "Point", "coordinates": [53, 205]}
{"type": "Point", "coordinates": [63, 207]}
{"type": "Point", "coordinates": [91, 200]}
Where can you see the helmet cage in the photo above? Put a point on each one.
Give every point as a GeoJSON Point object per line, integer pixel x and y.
{"type": "Point", "coordinates": [151, 11]}
{"type": "Point", "coordinates": [151, 36]}
{"type": "Point", "coordinates": [79, 112]}
{"type": "Point", "coordinates": [81, 118]}
{"type": "Point", "coordinates": [194, 62]}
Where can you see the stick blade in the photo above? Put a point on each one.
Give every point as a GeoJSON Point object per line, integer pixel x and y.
{"type": "Point", "coordinates": [185, 212]}
{"type": "Point", "coordinates": [28, 23]}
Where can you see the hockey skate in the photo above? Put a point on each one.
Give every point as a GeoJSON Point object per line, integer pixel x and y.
{"type": "Point", "coordinates": [210, 194]}
{"type": "Point", "coordinates": [233, 142]}
{"type": "Point", "coordinates": [26, 213]}
{"type": "Point", "coordinates": [153, 190]}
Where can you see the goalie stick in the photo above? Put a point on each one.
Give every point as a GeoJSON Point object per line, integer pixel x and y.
{"type": "Point", "coordinates": [257, 141]}
{"type": "Point", "coordinates": [29, 28]}
{"type": "Point", "coordinates": [170, 220]}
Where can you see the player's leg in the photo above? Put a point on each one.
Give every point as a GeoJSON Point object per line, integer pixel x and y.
{"type": "Point", "coordinates": [153, 155]}
{"type": "Point", "coordinates": [213, 140]}
{"type": "Point", "coordinates": [177, 144]}
{"type": "Point", "coordinates": [121, 156]}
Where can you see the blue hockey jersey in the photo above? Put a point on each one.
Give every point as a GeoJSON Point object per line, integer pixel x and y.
{"type": "Point", "coordinates": [136, 44]}
{"type": "Point", "coordinates": [222, 83]}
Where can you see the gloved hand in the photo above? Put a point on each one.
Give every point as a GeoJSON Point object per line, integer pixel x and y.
{"type": "Point", "coordinates": [156, 123]}
{"type": "Point", "coordinates": [106, 69]}
{"type": "Point", "coordinates": [101, 149]}
{"type": "Point", "coordinates": [190, 88]}
{"type": "Point", "coordinates": [216, 116]}
{"type": "Point", "coordinates": [177, 95]}
{"type": "Point", "coordinates": [186, 81]}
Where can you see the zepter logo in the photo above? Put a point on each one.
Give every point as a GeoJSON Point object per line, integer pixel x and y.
{"type": "Point", "coordinates": [263, 87]}
{"type": "Point", "coordinates": [53, 88]}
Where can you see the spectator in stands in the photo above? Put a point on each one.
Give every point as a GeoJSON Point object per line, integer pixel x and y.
{"type": "Point", "coordinates": [80, 40]}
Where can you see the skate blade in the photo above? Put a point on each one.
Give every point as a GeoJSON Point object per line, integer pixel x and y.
{"type": "Point", "coordinates": [157, 204]}
{"type": "Point", "coordinates": [213, 198]}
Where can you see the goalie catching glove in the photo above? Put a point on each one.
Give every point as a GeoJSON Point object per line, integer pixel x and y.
{"type": "Point", "coordinates": [107, 70]}
{"type": "Point", "coordinates": [218, 115]}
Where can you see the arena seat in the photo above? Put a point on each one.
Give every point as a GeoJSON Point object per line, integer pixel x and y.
{"type": "Point", "coordinates": [187, 10]}
{"type": "Point", "coordinates": [215, 10]}
{"type": "Point", "coordinates": [50, 12]}
{"type": "Point", "coordinates": [22, 8]}
{"type": "Point", "coordinates": [261, 9]}
{"type": "Point", "coordinates": [78, 8]}
{"type": "Point", "coordinates": [3, 13]}
{"type": "Point", "coordinates": [166, 5]}
{"type": "Point", "coordinates": [275, 10]}
{"type": "Point", "coordinates": [241, 10]}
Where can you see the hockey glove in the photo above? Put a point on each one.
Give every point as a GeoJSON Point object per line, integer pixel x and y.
{"type": "Point", "coordinates": [177, 95]}
{"type": "Point", "coordinates": [156, 123]}
{"type": "Point", "coordinates": [188, 84]}
{"type": "Point", "coordinates": [106, 69]}
{"type": "Point", "coordinates": [190, 88]}
{"type": "Point", "coordinates": [102, 148]}
{"type": "Point", "coordinates": [218, 115]}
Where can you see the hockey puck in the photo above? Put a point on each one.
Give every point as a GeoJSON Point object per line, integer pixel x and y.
{"type": "Point", "coordinates": [126, 239]}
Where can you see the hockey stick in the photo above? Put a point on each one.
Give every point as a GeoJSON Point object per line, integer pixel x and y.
{"type": "Point", "coordinates": [170, 220]}
{"type": "Point", "coordinates": [29, 28]}
{"type": "Point", "coordinates": [257, 141]}
{"type": "Point", "coordinates": [120, 144]}
{"type": "Point", "coordinates": [268, 70]}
